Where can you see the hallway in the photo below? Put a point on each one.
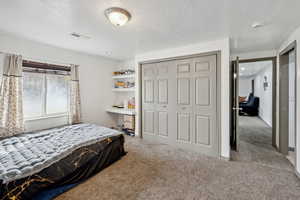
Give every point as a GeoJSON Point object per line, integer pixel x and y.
{"type": "Point", "coordinates": [256, 145]}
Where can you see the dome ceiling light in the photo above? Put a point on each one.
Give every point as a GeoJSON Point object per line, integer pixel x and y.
{"type": "Point", "coordinates": [117, 16]}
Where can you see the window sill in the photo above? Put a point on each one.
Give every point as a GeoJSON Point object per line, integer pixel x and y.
{"type": "Point", "coordinates": [46, 117]}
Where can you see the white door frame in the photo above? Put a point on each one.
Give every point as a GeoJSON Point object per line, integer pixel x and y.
{"type": "Point", "coordinates": [273, 59]}
{"type": "Point", "coordinates": [282, 54]}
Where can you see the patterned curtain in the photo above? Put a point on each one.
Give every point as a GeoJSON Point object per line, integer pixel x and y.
{"type": "Point", "coordinates": [75, 105]}
{"type": "Point", "coordinates": [11, 106]}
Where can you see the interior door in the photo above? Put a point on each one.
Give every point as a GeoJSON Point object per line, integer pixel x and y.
{"type": "Point", "coordinates": [235, 105]}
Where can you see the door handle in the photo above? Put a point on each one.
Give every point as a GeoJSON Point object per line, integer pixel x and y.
{"type": "Point", "coordinates": [237, 109]}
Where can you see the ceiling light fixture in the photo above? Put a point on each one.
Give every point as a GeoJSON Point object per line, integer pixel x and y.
{"type": "Point", "coordinates": [117, 16]}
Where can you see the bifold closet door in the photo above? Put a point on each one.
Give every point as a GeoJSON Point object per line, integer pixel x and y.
{"type": "Point", "coordinates": [205, 105]}
{"type": "Point", "coordinates": [180, 103]}
{"type": "Point", "coordinates": [149, 72]}
{"type": "Point", "coordinates": [155, 101]}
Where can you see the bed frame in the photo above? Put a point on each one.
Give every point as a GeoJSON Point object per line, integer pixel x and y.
{"type": "Point", "coordinates": [80, 165]}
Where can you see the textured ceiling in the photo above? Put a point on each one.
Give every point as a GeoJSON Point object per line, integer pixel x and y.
{"type": "Point", "coordinates": [155, 24]}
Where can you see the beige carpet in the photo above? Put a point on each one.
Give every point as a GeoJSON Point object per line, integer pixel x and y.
{"type": "Point", "coordinates": [256, 145]}
{"type": "Point", "coordinates": [160, 172]}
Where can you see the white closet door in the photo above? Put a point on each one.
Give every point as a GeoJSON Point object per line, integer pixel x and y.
{"type": "Point", "coordinates": [149, 73]}
{"type": "Point", "coordinates": [184, 100]}
{"type": "Point", "coordinates": [205, 105]}
{"type": "Point", "coordinates": [155, 96]}
{"type": "Point", "coordinates": [162, 106]}
{"type": "Point", "coordinates": [180, 103]}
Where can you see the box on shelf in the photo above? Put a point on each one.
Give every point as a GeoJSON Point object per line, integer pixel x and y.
{"type": "Point", "coordinates": [129, 122]}
{"type": "Point", "coordinates": [131, 103]}
{"type": "Point", "coordinates": [123, 72]}
{"type": "Point", "coordinates": [124, 84]}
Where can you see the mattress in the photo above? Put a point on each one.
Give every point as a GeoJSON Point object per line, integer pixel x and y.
{"type": "Point", "coordinates": [30, 163]}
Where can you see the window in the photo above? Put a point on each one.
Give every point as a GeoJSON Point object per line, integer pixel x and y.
{"type": "Point", "coordinates": [33, 91]}
{"type": "Point", "coordinates": [57, 94]}
{"type": "Point", "coordinates": [45, 95]}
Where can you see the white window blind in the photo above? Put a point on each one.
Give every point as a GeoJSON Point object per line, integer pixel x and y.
{"type": "Point", "coordinates": [57, 94]}
{"type": "Point", "coordinates": [45, 95]}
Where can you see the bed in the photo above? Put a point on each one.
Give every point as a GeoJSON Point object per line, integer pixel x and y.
{"type": "Point", "coordinates": [32, 163]}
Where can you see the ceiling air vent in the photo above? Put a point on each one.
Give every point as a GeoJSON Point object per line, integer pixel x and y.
{"type": "Point", "coordinates": [78, 35]}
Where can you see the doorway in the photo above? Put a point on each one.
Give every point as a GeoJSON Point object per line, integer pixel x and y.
{"type": "Point", "coordinates": [254, 109]}
{"type": "Point", "coordinates": [253, 78]}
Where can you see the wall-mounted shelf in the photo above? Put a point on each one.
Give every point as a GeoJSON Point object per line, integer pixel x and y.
{"type": "Point", "coordinates": [123, 86]}
{"type": "Point", "coordinates": [126, 76]}
{"type": "Point", "coordinates": [124, 89]}
{"type": "Point", "coordinates": [121, 111]}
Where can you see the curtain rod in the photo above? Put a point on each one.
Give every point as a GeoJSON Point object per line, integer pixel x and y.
{"type": "Point", "coordinates": [46, 61]}
{"type": "Point", "coordinates": [32, 64]}
{"type": "Point", "coordinates": [46, 71]}
{"type": "Point", "coordinates": [39, 60]}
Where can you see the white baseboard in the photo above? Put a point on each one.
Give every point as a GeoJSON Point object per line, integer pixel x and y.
{"type": "Point", "coordinates": [224, 158]}
{"type": "Point", "coordinates": [297, 174]}
{"type": "Point", "coordinates": [265, 121]}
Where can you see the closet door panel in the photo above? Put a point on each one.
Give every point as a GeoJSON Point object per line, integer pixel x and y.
{"type": "Point", "coordinates": [202, 130]}
{"type": "Point", "coordinates": [205, 107]}
{"type": "Point", "coordinates": [202, 91]}
{"type": "Point", "coordinates": [183, 91]}
{"type": "Point", "coordinates": [163, 91]}
{"type": "Point", "coordinates": [184, 67]}
{"type": "Point", "coordinates": [202, 66]}
{"type": "Point", "coordinates": [149, 73]}
{"type": "Point", "coordinates": [163, 123]}
{"type": "Point", "coordinates": [149, 91]}
{"type": "Point", "coordinates": [183, 107]}
{"type": "Point", "coordinates": [183, 127]}
{"type": "Point", "coordinates": [149, 119]}
{"type": "Point", "coordinates": [163, 100]}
